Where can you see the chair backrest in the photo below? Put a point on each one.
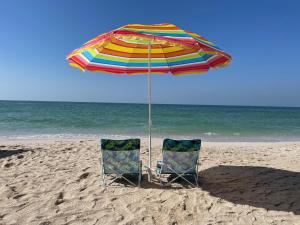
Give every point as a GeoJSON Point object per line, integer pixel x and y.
{"type": "Point", "coordinates": [180, 156]}
{"type": "Point", "coordinates": [120, 156]}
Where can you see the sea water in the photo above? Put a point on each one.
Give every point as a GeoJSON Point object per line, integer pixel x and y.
{"type": "Point", "coordinates": [30, 119]}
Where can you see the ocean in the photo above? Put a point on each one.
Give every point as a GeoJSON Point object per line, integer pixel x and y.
{"type": "Point", "coordinates": [31, 119]}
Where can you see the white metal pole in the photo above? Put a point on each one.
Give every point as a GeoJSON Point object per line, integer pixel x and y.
{"type": "Point", "coordinates": [149, 108]}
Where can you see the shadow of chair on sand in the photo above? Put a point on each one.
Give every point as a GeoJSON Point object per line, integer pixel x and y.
{"type": "Point", "coordinates": [268, 188]}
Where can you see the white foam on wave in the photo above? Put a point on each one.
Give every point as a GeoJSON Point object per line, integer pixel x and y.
{"type": "Point", "coordinates": [66, 136]}
{"type": "Point", "coordinates": [209, 136]}
{"type": "Point", "coordinates": [210, 133]}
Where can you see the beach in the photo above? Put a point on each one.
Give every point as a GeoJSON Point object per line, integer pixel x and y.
{"type": "Point", "coordinates": [213, 120]}
{"type": "Point", "coordinates": [58, 181]}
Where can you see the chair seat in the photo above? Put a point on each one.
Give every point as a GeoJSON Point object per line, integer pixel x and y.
{"type": "Point", "coordinates": [121, 162]}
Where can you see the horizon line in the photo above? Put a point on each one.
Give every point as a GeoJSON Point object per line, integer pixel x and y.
{"type": "Point", "coordinates": [137, 103]}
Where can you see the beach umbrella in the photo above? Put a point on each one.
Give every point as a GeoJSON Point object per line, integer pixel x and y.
{"type": "Point", "coordinates": [149, 49]}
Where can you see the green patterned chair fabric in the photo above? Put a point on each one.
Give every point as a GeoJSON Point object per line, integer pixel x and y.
{"type": "Point", "coordinates": [181, 145]}
{"type": "Point", "coordinates": [120, 145]}
{"type": "Point", "coordinates": [179, 156]}
{"type": "Point", "coordinates": [121, 156]}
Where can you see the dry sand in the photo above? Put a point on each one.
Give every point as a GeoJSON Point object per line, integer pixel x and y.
{"type": "Point", "coordinates": [59, 182]}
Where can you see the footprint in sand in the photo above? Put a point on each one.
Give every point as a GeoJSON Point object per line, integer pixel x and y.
{"type": "Point", "coordinates": [85, 169]}
{"type": "Point", "coordinates": [113, 199]}
{"type": "Point", "coordinates": [45, 223]}
{"type": "Point", "coordinates": [18, 196]}
{"type": "Point", "coordinates": [60, 198]}
{"type": "Point", "coordinates": [8, 165]}
{"type": "Point", "coordinates": [82, 189]}
{"type": "Point", "coordinates": [83, 176]}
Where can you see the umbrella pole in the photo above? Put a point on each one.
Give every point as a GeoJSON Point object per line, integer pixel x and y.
{"type": "Point", "coordinates": [149, 108]}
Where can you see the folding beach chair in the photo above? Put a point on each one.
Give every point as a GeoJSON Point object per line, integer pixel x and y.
{"type": "Point", "coordinates": [120, 158]}
{"type": "Point", "coordinates": [180, 158]}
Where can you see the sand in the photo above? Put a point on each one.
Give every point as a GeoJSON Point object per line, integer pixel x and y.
{"type": "Point", "coordinates": [47, 182]}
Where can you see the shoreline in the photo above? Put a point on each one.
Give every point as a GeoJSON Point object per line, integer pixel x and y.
{"type": "Point", "coordinates": [262, 139]}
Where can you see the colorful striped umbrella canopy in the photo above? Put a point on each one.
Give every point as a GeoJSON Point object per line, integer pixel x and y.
{"type": "Point", "coordinates": [156, 49]}
{"type": "Point", "coordinates": [125, 50]}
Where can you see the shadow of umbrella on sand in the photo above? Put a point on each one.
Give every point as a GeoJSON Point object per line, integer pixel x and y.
{"type": "Point", "coordinates": [263, 187]}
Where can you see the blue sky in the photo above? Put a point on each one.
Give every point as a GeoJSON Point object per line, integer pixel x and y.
{"type": "Point", "coordinates": [262, 37]}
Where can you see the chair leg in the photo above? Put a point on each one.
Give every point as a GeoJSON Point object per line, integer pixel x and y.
{"type": "Point", "coordinates": [170, 182]}
{"type": "Point", "coordinates": [159, 178]}
{"type": "Point", "coordinates": [111, 181]}
{"type": "Point", "coordinates": [196, 180]}
{"type": "Point", "coordinates": [130, 182]}
{"type": "Point", "coordinates": [140, 174]}
{"type": "Point", "coordinates": [140, 177]}
{"type": "Point", "coordinates": [197, 174]}
{"type": "Point", "coordinates": [103, 180]}
{"type": "Point", "coordinates": [181, 175]}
